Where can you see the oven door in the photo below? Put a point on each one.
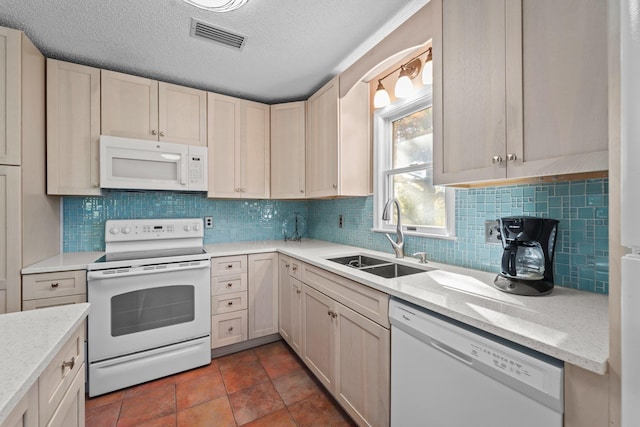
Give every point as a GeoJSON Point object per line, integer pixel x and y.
{"type": "Point", "coordinates": [142, 308]}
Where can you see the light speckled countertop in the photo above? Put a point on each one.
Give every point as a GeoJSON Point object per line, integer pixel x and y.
{"type": "Point", "coordinates": [29, 340]}
{"type": "Point", "coordinates": [570, 325]}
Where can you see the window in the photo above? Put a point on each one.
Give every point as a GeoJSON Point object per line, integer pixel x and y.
{"type": "Point", "coordinates": [404, 170]}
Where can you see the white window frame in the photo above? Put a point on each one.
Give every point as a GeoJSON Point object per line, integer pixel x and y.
{"type": "Point", "coordinates": [382, 158]}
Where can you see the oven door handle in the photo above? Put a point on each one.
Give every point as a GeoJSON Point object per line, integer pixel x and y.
{"type": "Point", "coordinates": [138, 271]}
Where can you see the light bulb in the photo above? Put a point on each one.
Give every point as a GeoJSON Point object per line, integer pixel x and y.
{"type": "Point", "coordinates": [427, 73]}
{"type": "Point", "coordinates": [404, 86]}
{"type": "Point", "coordinates": [381, 98]}
{"type": "Point", "coordinates": [218, 5]}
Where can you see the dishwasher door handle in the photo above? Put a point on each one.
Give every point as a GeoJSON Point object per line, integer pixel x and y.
{"type": "Point", "coordinates": [451, 351]}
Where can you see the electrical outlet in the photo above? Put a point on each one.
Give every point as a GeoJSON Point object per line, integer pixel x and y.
{"type": "Point", "coordinates": [340, 221]}
{"type": "Point", "coordinates": [492, 232]}
{"type": "Point", "coordinates": [208, 222]}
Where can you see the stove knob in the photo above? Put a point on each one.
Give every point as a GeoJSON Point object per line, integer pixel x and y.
{"type": "Point", "coordinates": [187, 227]}
{"type": "Point", "coordinates": [126, 230]}
{"type": "Point", "coordinates": [196, 227]}
{"type": "Point", "coordinates": [114, 230]}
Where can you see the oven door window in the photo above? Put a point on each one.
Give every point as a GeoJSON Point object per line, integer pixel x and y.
{"type": "Point", "coordinates": [151, 308]}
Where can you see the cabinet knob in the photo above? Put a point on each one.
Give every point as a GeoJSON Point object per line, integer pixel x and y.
{"type": "Point", "coordinates": [153, 132]}
{"type": "Point", "coordinates": [229, 266]}
{"type": "Point", "coordinates": [301, 191]}
{"type": "Point", "coordinates": [298, 291]}
{"type": "Point", "coordinates": [55, 284]}
{"type": "Point", "coordinates": [496, 159]}
{"type": "Point", "coordinates": [295, 267]}
{"type": "Point", "coordinates": [70, 364]}
{"type": "Point", "coordinates": [230, 303]}
{"type": "Point", "coordinates": [335, 186]}
{"type": "Point", "coordinates": [229, 285]}
{"type": "Point", "coordinates": [230, 328]}
{"type": "Point", "coordinates": [161, 133]}
{"type": "Point", "coordinates": [287, 265]}
{"type": "Point", "coordinates": [512, 157]}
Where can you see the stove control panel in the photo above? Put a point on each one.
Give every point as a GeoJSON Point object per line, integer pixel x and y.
{"type": "Point", "coordinates": [123, 230]}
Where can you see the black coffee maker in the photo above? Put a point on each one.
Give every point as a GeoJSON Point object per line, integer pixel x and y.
{"type": "Point", "coordinates": [527, 260]}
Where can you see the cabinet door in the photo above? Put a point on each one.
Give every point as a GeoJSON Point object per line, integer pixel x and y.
{"type": "Point", "coordinates": [287, 150]}
{"type": "Point", "coordinates": [70, 412]}
{"type": "Point", "coordinates": [254, 151]}
{"type": "Point", "coordinates": [10, 120]}
{"type": "Point", "coordinates": [73, 129]}
{"type": "Point", "coordinates": [562, 89]}
{"type": "Point", "coordinates": [363, 368]}
{"type": "Point", "coordinates": [322, 142]}
{"type": "Point", "coordinates": [129, 106]}
{"type": "Point", "coordinates": [25, 413]}
{"type": "Point", "coordinates": [182, 114]}
{"type": "Point", "coordinates": [318, 329]}
{"type": "Point", "coordinates": [263, 294]}
{"type": "Point", "coordinates": [223, 130]}
{"type": "Point", "coordinates": [284, 299]}
{"type": "Point", "coordinates": [469, 117]}
{"type": "Point", "coordinates": [295, 296]}
{"type": "Point", "coordinates": [10, 239]}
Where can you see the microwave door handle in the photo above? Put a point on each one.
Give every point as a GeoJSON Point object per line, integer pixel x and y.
{"type": "Point", "coordinates": [184, 170]}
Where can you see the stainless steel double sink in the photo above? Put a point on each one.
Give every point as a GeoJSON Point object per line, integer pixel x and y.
{"type": "Point", "coordinates": [379, 267]}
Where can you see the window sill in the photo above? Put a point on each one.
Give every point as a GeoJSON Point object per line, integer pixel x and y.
{"type": "Point", "coordinates": [417, 234]}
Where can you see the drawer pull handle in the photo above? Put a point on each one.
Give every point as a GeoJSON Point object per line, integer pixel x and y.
{"type": "Point", "coordinates": [55, 284]}
{"type": "Point", "coordinates": [230, 303]}
{"type": "Point", "coordinates": [229, 285]}
{"type": "Point", "coordinates": [230, 328]}
{"type": "Point", "coordinates": [70, 364]}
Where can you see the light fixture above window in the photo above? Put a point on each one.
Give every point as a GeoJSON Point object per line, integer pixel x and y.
{"type": "Point", "coordinates": [218, 5]}
{"type": "Point", "coordinates": [404, 85]}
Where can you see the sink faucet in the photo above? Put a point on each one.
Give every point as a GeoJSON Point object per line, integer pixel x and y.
{"type": "Point", "coordinates": [399, 243]}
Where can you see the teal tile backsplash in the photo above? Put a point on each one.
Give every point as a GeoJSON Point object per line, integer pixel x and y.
{"type": "Point", "coordinates": [581, 259]}
{"type": "Point", "coordinates": [234, 220]}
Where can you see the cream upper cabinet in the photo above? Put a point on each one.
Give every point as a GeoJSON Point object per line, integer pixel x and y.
{"type": "Point", "coordinates": [137, 107]}
{"type": "Point", "coordinates": [10, 242]}
{"type": "Point", "coordinates": [238, 141]}
{"type": "Point", "coordinates": [73, 129]}
{"type": "Point", "coordinates": [514, 99]}
{"type": "Point", "coordinates": [338, 148]}
{"type": "Point", "coordinates": [263, 294]}
{"type": "Point", "coordinates": [10, 117]}
{"type": "Point", "coordinates": [288, 150]}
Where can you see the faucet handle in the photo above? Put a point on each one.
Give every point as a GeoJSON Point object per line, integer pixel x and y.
{"type": "Point", "coordinates": [422, 257]}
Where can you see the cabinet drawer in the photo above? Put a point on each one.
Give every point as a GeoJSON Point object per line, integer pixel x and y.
{"type": "Point", "coordinates": [228, 265]}
{"type": "Point", "coordinates": [362, 299]}
{"type": "Point", "coordinates": [34, 304]}
{"type": "Point", "coordinates": [57, 377]}
{"type": "Point", "coordinates": [228, 302]}
{"type": "Point", "coordinates": [228, 284]}
{"type": "Point", "coordinates": [48, 285]}
{"type": "Point", "coordinates": [296, 269]}
{"type": "Point", "coordinates": [228, 328]}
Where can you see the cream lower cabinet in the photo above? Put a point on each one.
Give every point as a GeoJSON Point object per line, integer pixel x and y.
{"type": "Point", "coordinates": [52, 289]}
{"type": "Point", "coordinates": [290, 304]}
{"type": "Point", "coordinates": [56, 399]}
{"type": "Point", "coordinates": [73, 129]}
{"type": "Point", "coordinates": [10, 242]}
{"type": "Point", "coordinates": [347, 351]}
{"type": "Point", "coordinates": [263, 294]}
{"type": "Point", "coordinates": [238, 142]}
{"type": "Point", "coordinates": [338, 148]}
{"type": "Point", "coordinates": [532, 100]}
{"type": "Point", "coordinates": [228, 300]}
{"type": "Point", "coordinates": [141, 108]}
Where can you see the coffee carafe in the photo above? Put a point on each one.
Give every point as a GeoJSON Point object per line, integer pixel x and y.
{"type": "Point", "coordinates": [527, 260]}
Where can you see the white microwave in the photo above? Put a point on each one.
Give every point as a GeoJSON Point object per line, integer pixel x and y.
{"type": "Point", "coordinates": [149, 165]}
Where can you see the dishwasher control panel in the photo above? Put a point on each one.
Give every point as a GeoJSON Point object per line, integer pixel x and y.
{"type": "Point", "coordinates": [514, 367]}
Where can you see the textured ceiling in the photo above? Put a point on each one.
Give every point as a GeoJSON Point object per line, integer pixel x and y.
{"type": "Point", "coordinates": [292, 46]}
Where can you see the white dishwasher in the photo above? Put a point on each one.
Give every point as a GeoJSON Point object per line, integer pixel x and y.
{"type": "Point", "coordinates": [445, 374]}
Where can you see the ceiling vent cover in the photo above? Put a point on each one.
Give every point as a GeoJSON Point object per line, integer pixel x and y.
{"type": "Point", "coordinates": [204, 30]}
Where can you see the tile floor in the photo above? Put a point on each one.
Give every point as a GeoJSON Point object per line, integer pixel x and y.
{"type": "Point", "coordinates": [263, 386]}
